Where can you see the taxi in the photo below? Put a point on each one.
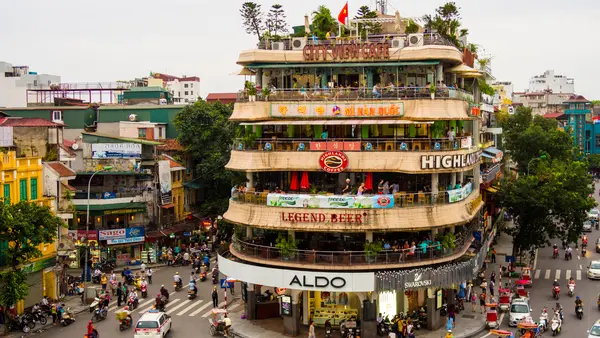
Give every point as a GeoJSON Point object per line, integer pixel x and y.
{"type": "Point", "coordinates": [594, 332]}
{"type": "Point", "coordinates": [153, 324]}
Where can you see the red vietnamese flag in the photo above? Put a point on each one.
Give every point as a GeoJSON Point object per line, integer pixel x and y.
{"type": "Point", "coordinates": [343, 14]}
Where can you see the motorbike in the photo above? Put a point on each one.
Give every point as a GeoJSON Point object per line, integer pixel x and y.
{"type": "Point", "coordinates": [202, 276]}
{"type": "Point", "coordinates": [132, 303]}
{"type": "Point", "coordinates": [124, 320]}
{"type": "Point", "coordinates": [571, 290]}
{"type": "Point", "coordinates": [99, 315]}
{"type": "Point", "coordinates": [37, 316]}
{"type": "Point", "coordinates": [144, 291]}
{"type": "Point", "coordinates": [96, 279]}
{"type": "Point", "coordinates": [583, 251]}
{"type": "Point", "coordinates": [129, 279]}
{"type": "Point", "coordinates": [328, 330]}
{"type": "Point", "coordinates": [555, 326]}
{"type": "Point", "coordinates": [579, 311]}
{"type": "Point", "coordinates": [191, 294]}
{"type": "Point", "coordinates": [67, 318]}
{"type": "Point", "coordinates": [96, 334]}
{"type": "Point", "coordinates": [555, 254]}
{"type": "Point", "coordinates": [543, 322]}
{"type": "Point", "coordinates": [556, 292]}
{"type": "Point", "coordinates": [444, 309]}
{"type": "Point", "coordinates": [384, 328]}
{"type": "Point", "coordinates": [94, 304]}
{"type": "Point", "coordinates": [177, 286]}
{"type": "Point", "coordinates": [22, 324]}
{"type": "Point", "coordinates": [568, 256]}
{"type": "Point", "coordinates": [160, 306]}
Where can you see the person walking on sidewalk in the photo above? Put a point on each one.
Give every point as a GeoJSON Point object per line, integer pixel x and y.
{"type": "Point", "coordinates": [215, 297]}
{"type": "Point", "coordinates": [473, 301]}
{"type": "Point", "coordinates": [482, 298]}
{"type": "Point", "coordinates": [119, 294]}
{"type": "Point", "coordinates": [311, 330]}
{"type": "Point", "coordinates": [492, 288]}
{"type": "Point", "coordinates": [149, 275]}
{"type": "Point", "coordinates": [493, 255]}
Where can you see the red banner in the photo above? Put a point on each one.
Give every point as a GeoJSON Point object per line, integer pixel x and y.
{"type": "Point", "coordinates": [335, 145]}
{"type": "Point", "coordinates": [79, 235]}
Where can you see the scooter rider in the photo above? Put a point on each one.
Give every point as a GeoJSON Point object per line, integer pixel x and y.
{"type": "Point", "coordinates": [193, 285]}
{"type": "Point", "coordinates": [578, 302]}
{"type": "Point", "coordinates": [164, 293]}
{"type": "Point", "coordinates": [177, 279]}
{"type": "Point", "coordinates": [555, 283]}
{"type": "Point", "coordinates": [559, 310]}
{"type": "Point", "coordinates": [555, 251]}
{"type": "Point", "coordinates": [544, 318]}
{"type": "Point", "coordinates": [134, 296]}
{"type": "Point", "coordinates": [584, 240]}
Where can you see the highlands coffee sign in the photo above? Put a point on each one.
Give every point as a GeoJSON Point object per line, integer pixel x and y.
{"type": "Point", "coordinates": [347, 51]}
{"type": "Point", "coordinates": [450, 161]}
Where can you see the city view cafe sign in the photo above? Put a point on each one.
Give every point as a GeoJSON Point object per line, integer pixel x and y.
{"type": "Point", "coordinates": [450, 161]}
{"type": "Point", "coordinates": [347, 51]}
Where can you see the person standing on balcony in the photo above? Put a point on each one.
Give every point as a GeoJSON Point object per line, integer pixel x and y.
{"type": "Point", "coordinates": [380, 187]}
{"type": "Point", "coordinates": [361, 189]}
{"type": "Point", "coordinates": [395, 188]}
{"type": "Point", "coordinates": [348, 188]}
{"type": "Point", "coordinates": [386, 187]}
{"type": "Point", "coordinates": [376, 92]}
{"type": "Point", "coordinates": [451, 134]}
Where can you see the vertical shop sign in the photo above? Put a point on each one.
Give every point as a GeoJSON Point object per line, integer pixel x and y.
{"type": "Point", "coordinates": [164, 179]}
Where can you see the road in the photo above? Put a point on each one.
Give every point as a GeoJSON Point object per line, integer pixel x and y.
{"type": "Point", "coordinates": [548, 269]}
{"type": "Point", "coordinates": [190, 317]}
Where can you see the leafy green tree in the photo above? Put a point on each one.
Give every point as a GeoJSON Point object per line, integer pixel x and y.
{"type": "Point", "coordinates": [323, 22]}
{"type": "Point", "coordinates": [527, 137]}
{"type": "Point", "coordinates": [411, 27]}
{"type": "Point", "coordinates": [594, 161]}
{"type": "Point", "coordinates": [207, 134]}
{"type": "Point", "coordinates": [252, 18]}
{"type": "Point", "coordinates": [364, 12]}
{"type": "Point", "coordinates": [276, 20]}
{"type": "Point", "coordinates": [446, 21]}
{"type": "Point", "coordinates": [550, 204]}
{"type": "Point", "coordinates": [24, 226]}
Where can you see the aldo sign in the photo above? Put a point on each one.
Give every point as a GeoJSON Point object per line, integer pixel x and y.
{"type": "Point", "coordinates": [317, 282]}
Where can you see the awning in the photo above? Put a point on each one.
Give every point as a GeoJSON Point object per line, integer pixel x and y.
{"type": "Point", "coordinates": [112, 209]}
{"type": "Point", "coordinates": [488, 155]}
{"type": "Point", "coordinates": [492, 189]}
{"type": "Point", "coordinates": [463, 68]}
{"type": "Point", "coordinates": [168, 206]}
{"type": "Point", "coordinates": [338, 122]}
{"type": "Point", "coordinates": [493, 150]}
{"type": "Point", "coordinates": [192, 185]}
{"type": "Point", "coordinates": [342, 64]}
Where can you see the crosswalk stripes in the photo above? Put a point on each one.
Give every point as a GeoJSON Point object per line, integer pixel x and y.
{"type": "Point", "coordinates": [578, 274]}
{"type": "Point", "coordinates": [200, 309]}
{"type": "Point", "coordinates": [557, 276]}
{"type": "Point", "coordinates": [547, 274]}
{"type": "Point", "coordinates": [190, 307]}
{"type": "Point", "coordinates": [537, 274]}
{"type": "Point", "coordinates": [180, 307]}
{"type": "Point", "coordinates": [209, 313]}
{"type": "Point", "coordinates": [568, 274]}
{"type": "Point", "coordinates": [184, 303]}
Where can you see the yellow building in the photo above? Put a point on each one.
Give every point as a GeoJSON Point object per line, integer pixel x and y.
{"type": "Point", "coordinates": [22, 180]}
{"type": "Point", "coordinates": [177, 175]}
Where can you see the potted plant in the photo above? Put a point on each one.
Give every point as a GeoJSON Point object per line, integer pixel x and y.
{"type": "Point", "coordinates": [432, 91]}
{"type": "Point", "coordinates": [266, 92]}
{"type": "Point", "coordinates": [251, 90]}
{"type": "Point", "coordinates": [447, 241]}
{"type": "Point", "coordinates": [287, 246]}
{"type": "Point", "coordinates": [372, 249]}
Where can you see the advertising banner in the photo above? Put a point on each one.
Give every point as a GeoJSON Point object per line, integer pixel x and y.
{"type": "Point", "coordinates": [164, 179]}
{"type": "Point", "coordinates": [466, 142]}
{"type": "Point", "coordinates": [338, 110]}
{"type": "Point", "coordinates": [79, 235]}
{"type": "Point", "coordinates": [460, 194]}
{"type": "Point", "coordinates": [125, 240]}
{"type": "Point", "coordinates": [113, 234]}
{"type": "Point", "coordinates": [330, 202]}
{"type": "Point", "coordinates": [116, 150]}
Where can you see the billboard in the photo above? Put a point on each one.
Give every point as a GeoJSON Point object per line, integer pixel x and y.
{"type": "Point", "coordinates": [116, 150]}
{"type": "Point", "coordinates": [338, 110]}
{"type": "Point", "coordinates": [164, 179]}
{"type": "Point", "coordinates": [330, 202]}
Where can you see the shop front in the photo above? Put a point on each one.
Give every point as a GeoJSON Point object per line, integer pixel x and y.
{"type": "Point", "coordinates": [123, 246]}
{"type": "Point", "coordinates": [79, 238]}
{"type": "Point", "coordinates": [300, 296]}
{"type": "Point", "coordinates": [41, 278]}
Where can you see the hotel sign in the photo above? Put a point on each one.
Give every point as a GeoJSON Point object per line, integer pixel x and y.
{"type": "Point", "coordinates": [347, 51]}
{"type": "Point", "coordinates": [338, 110]}
{"type": "Point", "coordinates": [450, 161]}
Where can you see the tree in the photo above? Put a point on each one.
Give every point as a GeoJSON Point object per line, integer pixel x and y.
{"type": "Point", "coordinates": [24, 226]}
{"type": "Point", "coordinates": [252, 17]}
{"type": "Point", "coordinates": [411, 27]}
{"type": "Point", "coordinates": [207, 134]}
{"type": "Point", "coordinates": [527, 137]}
{"type": "Point", "coordinates": [371, 27]}
{"type": "Point", "coordinates": [446, 21]}
{"type": "Point", "coordinates": [276, 20]}
{"type": "Point", "coordinates": [323, 22]}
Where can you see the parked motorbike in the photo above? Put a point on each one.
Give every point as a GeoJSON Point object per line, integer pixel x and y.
{"type": "Point", "coordinates": [96, 279]}
{"type": "Point", "coordinates": [328, 330]}
{"type": "Point", "coordinates": [37, 316]}
{"type": "Point", "coordinates": [67, 318]}
{"type": "Point", "coordinates": [21, 324]}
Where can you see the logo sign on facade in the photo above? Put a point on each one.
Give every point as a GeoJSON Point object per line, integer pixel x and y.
{"type": "Point", "coordinates": [164, 179]}
{"type": "Point", "coordinates": [79, 235]}
{"type": "Point", "coordinates": [330, 202]}
{"type": "Point", "coordinates": [333, 161]}
{"type": "Point", "coordinates": [347, 51]}
{"type": "Point", "coordinates": [450, 161]}
{"type": "Point", "coordinates": [318, 282]}
{"type": "Point", "coordinates": [418, 282]}
{"type": "Point", "coordinates": [315, 217]}
{"type": "Point", "coordinates": [338, 110]}
{"type": "Point", "coordinates": [125, 240]}
{"type": "Point", "coordinates": [116, 150]}
{"type": "Point", "coordinates": [112, 234]}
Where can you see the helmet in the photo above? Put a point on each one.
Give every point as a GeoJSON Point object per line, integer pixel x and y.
{"type": "Point", "coordinates": [176, 273]}
{"type": "Point", "coordinates": [162, 286]}
{"type": "Point", "coordinates": [577, 297]}
{"type": "Point", "coordinates": [556, 280]}
{"type": "Point", "coordinates": [126, 308]}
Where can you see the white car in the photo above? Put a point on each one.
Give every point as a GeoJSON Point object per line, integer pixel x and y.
{"type": "Point", "coordinates": [587, 226]}
{"type": "Point", "coordinates": [594, 214]}
{"type": "Point", "coordinates": [594, 332]}
{"type": "Point", "coordinates": [519, 309]}
{"type": "Point", "coordinates": [153, 324]}
{"type": "Point", "coordinates": [593, 270]}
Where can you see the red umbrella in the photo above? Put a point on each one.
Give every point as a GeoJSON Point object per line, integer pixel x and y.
{"type": "Point", "coordinates": [294, 183]}
{"type": "Point", "coordinates": [304, 181]}
{"type": "Point", "coordinates": [369, 181]}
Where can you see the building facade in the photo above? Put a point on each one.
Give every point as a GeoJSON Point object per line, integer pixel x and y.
{"type": "Point", "coordinates": [541, 102]}
{"type": "Point", "coordinates": [357, 171]}
{"type": "Point", "coordinates": [16, 80]}
{"type": "Point", "coordinates": [549, 81]}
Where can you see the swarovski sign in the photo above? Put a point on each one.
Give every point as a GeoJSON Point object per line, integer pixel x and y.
{"type": "Point", "coordinates": [418, 282]}
{"type": "Point", "coordinates": [450, 161]}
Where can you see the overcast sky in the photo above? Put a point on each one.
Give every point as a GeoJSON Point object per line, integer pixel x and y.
{"type": "Point", "coordinates": [109, 40]}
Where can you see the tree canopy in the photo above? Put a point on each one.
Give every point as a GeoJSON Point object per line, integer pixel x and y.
{"type": "Point", "coordinates": [252, 18]}
{"type": "Point", "coordinates": [207, 134]}
{"type": "Point", "coordinates": [364, 12]}
{"type": "Point", "coordinates": [276, 21]}
{"type": "Point", "coordinates": [323, 22]}
{"type": "Point", "coordinates": [446, 21]}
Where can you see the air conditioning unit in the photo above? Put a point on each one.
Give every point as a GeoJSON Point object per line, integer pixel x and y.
{"type": "Point", "coordinates": [398, 42]}
{"type": "Point", "coordinates": [415, 40]}
{"type": "Point", "coordinates": [298, 43]}
{"type": "Point", "coordinates": [279, 45]}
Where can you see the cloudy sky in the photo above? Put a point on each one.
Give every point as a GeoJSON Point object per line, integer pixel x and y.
{"type": "Point", "coordinates": [110, 40]}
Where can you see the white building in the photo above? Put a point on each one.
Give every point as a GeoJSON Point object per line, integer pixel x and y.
{"type": "Point", "coordinates": [550, 81]}
{"type": "Point", "coordinates": [15, 80]}
{"type": "Point", "coordinates": [184, 89]}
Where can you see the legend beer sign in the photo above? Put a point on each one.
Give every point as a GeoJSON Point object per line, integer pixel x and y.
{"type": "Point", "coordinates": [347, 51]}
{"type": "Point", "coordinates": [450, 161]}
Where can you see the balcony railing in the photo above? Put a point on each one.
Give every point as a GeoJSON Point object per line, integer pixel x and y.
{"type": "Point", "coordinates": [353, 144]}
{"type": "Point", "coordinates": [107, 195]}
{"type": "Point", "coordinates": [429, 39]}
{"type": "Point", "coordinates": [401, 199]}
{"type": "Point", "coordinates": [357, 94]}
{"type": "Point", "coordinates": [350, 258]}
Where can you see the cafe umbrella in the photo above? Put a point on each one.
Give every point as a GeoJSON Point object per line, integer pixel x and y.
{"type": "Point", "coordinates": [294, 182]}
{"type": "Point", "coordinates": [304, 185]}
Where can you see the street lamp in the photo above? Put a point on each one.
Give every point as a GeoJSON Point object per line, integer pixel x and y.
{"type": "Point", "coordinates": [87, 230]}
{"type": "Point", "coordinates": [533, 159]}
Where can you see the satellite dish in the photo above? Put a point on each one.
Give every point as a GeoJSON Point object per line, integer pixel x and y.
{"type": "Point", "coordinates": [132, 117]}
{"type": "Point", "coordinates": [75, 146]}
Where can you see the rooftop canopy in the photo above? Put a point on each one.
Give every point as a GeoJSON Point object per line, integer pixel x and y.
{"type": "Point", "coordinates": [103, 138]}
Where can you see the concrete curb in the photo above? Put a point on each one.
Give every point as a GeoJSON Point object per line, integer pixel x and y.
{"type": "Point", "coordinates": [475, 332]}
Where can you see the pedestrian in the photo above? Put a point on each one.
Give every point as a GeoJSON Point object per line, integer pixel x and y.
{"type": "Point", "coordinates": [450, 324]}
{"type": "Point", "coordinates": [493, 255]}
{"type": "Point", "coordinates": [232, 288]}
{"type": "Point", "coordinates": [215, 297]}
{"type": "Point", "coordinates": [103, 281]}
{"type": "Point", "coordinates": [483, 286]}
{"type": "Point", "coordinates": [54, 313]}
{"type": "Point", "coordinates": [482, 298]}
{"type": "Point", "coordinates": [149, 275]}
{"type": "Point", "coordinates": [473, 301]}
{"type": "Point", "coordinates": [311, 330]}
{"type": "Point", "coordinates": [493, 277]}
{"type": "Point", "coordinates": [468, 291]}
{"type": "Point", "coordinates": [119, 294]}
{"type": "Point", "coordinates": [452, 315]}
{"type": "Point", "coordinates": [59, 311]}
{"type": "Point", "coordinates": [492, 288]}
{"type": "Point", "coordinates": [143, 268]}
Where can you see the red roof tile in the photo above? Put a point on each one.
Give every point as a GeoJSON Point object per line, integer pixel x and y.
{"type": "Point", "coordinates": [577, 98]}
{"type": "Point", "coordinates": [68, 150]}
{"type": "Point", "coordinates": [27, 122]}
{"type": "Point", "coordinates": [170, 144]}
{"type": "Point", "coordinates": [61, 169]}
{"type": "Point", "coordinates": [192, 78]}
{"type": "Point", "coordinates": [221, 96]}
{"type": "Point", "coordinates": [68, 143]}
{"type": "Point", "coordinates": [70, 187]}
{"type": "Point", "coordinates": [553, 115]}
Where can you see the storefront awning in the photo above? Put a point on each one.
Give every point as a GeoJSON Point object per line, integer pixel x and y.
{"type": "Point", "coordinates": [493, 150]}
{"type": "Point", "coordinates": [342, 64]}
{"type": "Point", "coordinates": [192, 185]}
{"type": "Point", "coordinates": [338, 122]}
{"type": "Point", "coordinates": [112, 209]}
{"type": "Point", "coordinates": [168, 206]}
{"type": "Point", "coordinates": [486, 155]}
{"type": "Point", "coordinates": [492, 189]}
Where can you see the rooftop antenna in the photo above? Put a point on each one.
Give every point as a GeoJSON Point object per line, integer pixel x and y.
{"type": "Point", "coordinates": [381, 6]}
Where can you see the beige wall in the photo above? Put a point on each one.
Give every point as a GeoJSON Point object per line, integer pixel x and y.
{"type": "Point", "coordinates": [365, 161]}
{"type": "Point", "coordinates": [396, 219]}
{"type": "Point", "coordinates": [416, 110]}
{"type": "Point", "coordinates": [31, 141]}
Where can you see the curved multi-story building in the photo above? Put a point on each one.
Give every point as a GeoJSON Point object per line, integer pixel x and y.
{"type": "Point", "coordinates": [362, 160]}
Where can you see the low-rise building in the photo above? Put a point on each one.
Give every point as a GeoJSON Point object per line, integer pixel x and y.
{"type": "Point", "coordinates": [16, 80]}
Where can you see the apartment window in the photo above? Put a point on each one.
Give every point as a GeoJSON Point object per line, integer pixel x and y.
{"type": "Point", "coordinates": [191, 85]}
{"type": "Point", "coordinates": [23, 190]}
{"type": "Point", "coordinates": [179, 94]}
{"type": "Point", "coordinates": [179, 176]}
{"type": "Point", "coordinates": [185, 85]}
{"type": "Point", "coordinates": [35, 83]}
{"type": "Point", "coordinates": [141, 132]}
{"type": "Point", "coordinates": [597, 141]}
{"type": "Point", "coordinates": [57, 115]}
{"type": "Point", "coordinates": [192, 93]}
{"type": "Point", "coordinates": [160, 132]}
{"type": "Point", "coordinates": [7, 193]}
{"type": "Point", "coordinates": [33, 188]}
{"type": "Point", "coordinates": [186, 93]}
